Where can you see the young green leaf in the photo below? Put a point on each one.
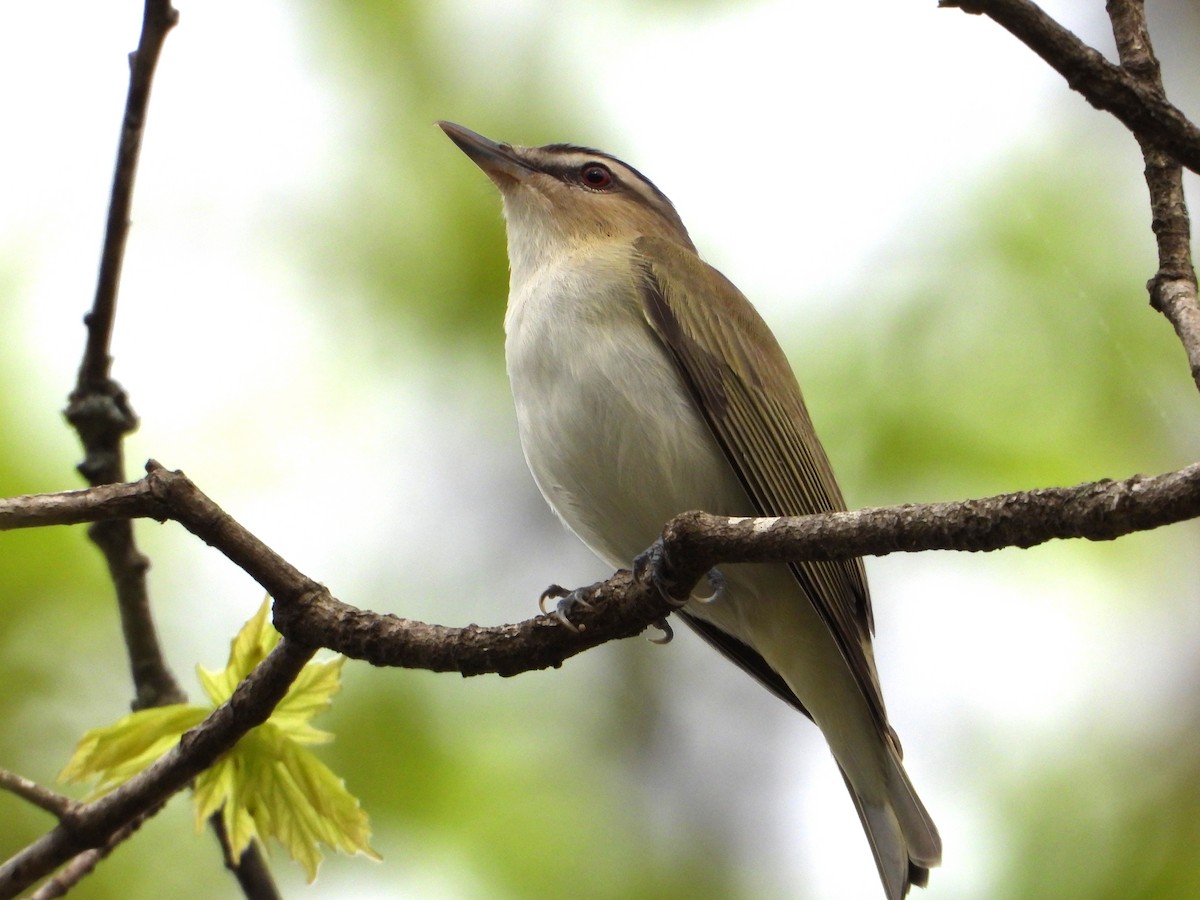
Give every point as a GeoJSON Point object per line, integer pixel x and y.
{"type": "Point", "coordinates": [269, 784]}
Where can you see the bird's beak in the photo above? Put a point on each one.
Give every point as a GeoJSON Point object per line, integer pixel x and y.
{"type": "Point", "coordinates": [499, 161]}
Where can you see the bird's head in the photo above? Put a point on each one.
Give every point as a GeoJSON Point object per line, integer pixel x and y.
{"type": "Point", "coordinates": [561, 197]}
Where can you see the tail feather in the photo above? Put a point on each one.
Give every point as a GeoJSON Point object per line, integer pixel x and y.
{"type": "Point", "coordinates": [920, 834]}
{"type": "Point", "coordinates": [903, 838]}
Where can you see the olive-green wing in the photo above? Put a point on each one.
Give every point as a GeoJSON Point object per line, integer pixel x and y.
{"type": "Point", "coordinates": [745, 388]}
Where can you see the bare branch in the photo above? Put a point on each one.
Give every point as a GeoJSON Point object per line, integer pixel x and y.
{"type": "Point", "coordinates": [1173, 287]}
{"type": "Point", "coordinates": [98, 408]}
{"type": "Point", "coordinates": [693, 543]}
{"type": "Point", "coordinates": [622, 606]}
{"type": "Point", "coordinates": [100, 412]}
{"type": "Point", "coordinates": [1094, 511]}
{"type": "Point", "coordinates": [52, 802]}
{"type": "Point", "coordinates": [129, 500]}
{"type": "Point", "coordinates": [82, 865]}
{"type": "Point", "coordinates": [158, 19]}
{"type": "Point", "coordinates": [1106, 86]}
{"type": "Point", "coordinates": [251, 872]}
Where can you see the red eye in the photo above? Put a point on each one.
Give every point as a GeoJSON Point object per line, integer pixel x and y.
{"type": "Point", "coordinates": [596, 176]}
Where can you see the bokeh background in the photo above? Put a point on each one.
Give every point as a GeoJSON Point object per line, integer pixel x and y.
{"type": "Point", "coordinates": [951, 246]}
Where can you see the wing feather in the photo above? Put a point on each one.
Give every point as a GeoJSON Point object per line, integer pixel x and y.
{"type": "Point", "coordinates": [745, 388]}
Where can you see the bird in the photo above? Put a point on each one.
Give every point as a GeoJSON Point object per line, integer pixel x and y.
{"type": "Point", "coordinates": [647, 385]}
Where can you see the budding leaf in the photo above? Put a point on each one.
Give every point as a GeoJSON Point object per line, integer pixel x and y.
{"type": "Point", "coordinates": [269, 784]}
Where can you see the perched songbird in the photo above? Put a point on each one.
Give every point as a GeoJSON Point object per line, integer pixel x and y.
{"type": "Point", "coordinates": [646, 385]}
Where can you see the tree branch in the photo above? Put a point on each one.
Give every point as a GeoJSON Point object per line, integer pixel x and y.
{"type": "Point", "coordinates": [1108, 87]}
{"type": "Point", "coordinates": [43, 798]}
{"type": "Point", "coordinates": [1173, 287]}
{"type": "Point", "coordinates": [624, 606]}
{"type": "Point", "coordinates": [1094, 511]}
{"type": "Point", "coordinates": [98, 408]}
{"type": "Point", "coordinates": [308, 615]}
{"type": "Point", "coordinates": [159, 17]}
{"type": "Point", "coordinates": [82, 864]}
{"type": "Point", "coordinates": [251, 872]}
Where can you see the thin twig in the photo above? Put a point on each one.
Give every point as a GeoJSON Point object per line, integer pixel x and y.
{"type": "Point", "coordinates": [250, 870]}
{"type": "Point", "coordinates": [82, 864]}
{"type": "Point", "coordinates": [98, 407]}
{"type": "Point", "coordinates": [58, 805]}
{"type": "Point", "coordinates": [159, 17]}
{"type": "Point", "coordinates": [1106, 86]}
{"type": "Point", "coordinates": [1173, 287]}
{"type": "Point", "coordinates": [100, 412]}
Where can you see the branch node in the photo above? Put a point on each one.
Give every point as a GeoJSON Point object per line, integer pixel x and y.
{"type": "Point", "coordinates": [58, 805]}
{"type": "Point", "coordinates": [101, 414]}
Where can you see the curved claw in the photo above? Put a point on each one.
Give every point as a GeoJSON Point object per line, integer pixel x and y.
{"type": "Point", "coordinates": [567, 601]}
{"type": "Point", "coordinates": [554, 592]}
{"type": "Point", "coordinates": [668, 633]}
{"type": "Point", "coordinates": [717, 580]}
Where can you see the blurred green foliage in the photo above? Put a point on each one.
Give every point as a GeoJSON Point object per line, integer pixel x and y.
{"type": "Point", "coordinates": [1121, 823]}
{"type": "Point", "coordinates": [420, 238]}
{"type": "Point", "coordinates": [1022, 353]}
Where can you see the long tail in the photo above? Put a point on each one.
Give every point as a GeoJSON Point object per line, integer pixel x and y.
{"type": "Point", "coordinates": [902, 835]}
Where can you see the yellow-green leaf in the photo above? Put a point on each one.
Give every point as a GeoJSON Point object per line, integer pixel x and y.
{"type": "Point", "coordinates": [115, 753]}
{"type": "Point", "coordinates": [268, 784]}
{"type": "Point", "coordinates": [271, 785]}
{"type": "Point", "coordinates": [310, 694]}
{"type": "Point", "coordinates": [256, 639]}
